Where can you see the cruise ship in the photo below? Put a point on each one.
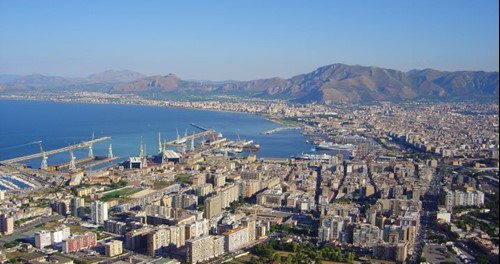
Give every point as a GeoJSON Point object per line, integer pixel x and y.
{"type": "Point", "coordinates": [332, 146]}
{"type": "Point", "coordinates": [323, 157]}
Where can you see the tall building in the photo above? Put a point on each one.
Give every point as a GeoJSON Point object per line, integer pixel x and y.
{"type": "Point", "coordinates": [365, 235]}
{"type": "Point", "coordinates": [204, 248]}
{"type": "Point", "coordinates": [331, 228]}
{"type": "Point", "coordinates": [6, 224]}
{"type": "Point", "coordinates": [79, 242]}
{"type": "Point", "coordinates": [43, 239]}
{"type": "Point", "coordinates": [251, 224]}
{"type": "Point", "coordinates": [200, 249]}
{"type": "Point", "coordinates": [46, 238]}
{"type": "Point", "coordinates": [162, 238]}
{"type": "Point", "coordinates": [113, 248]}
{"type": "Point", "coordinates": [115, 227]}
{"type": "Point", "coordinates": [229, 194]}
{"type": "Point", "coordinates": [137, 239]}
{"type": "Point", "coordinates": [99, 212]}
{"type": "Point", "coordinates": [77, 206]}
{"type": "Point", "coordinates": [460, 198]}
{"type": "Point", "coordinates": [218, 246]}
{"type": "Point", "coordinates": [236, 238]}
{"type": "Point", "coordinates": [2, 195]}
{"type": "Point", "coordinates": [60, 207]}
{"type": "Point", "coordinates": [197, 229]}
{"type": "Point", "coordinates": [213, 206]}
{"type": "Point", "coordinates": [59, 234]}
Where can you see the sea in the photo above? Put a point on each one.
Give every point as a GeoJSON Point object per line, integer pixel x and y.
{"type": "Point", "coordinates": [25, 125]}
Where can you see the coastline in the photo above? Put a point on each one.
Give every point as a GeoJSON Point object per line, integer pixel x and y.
{"type": "Point", "coordinates": [156, 103]}
{"type": "Point", "coordinates": [126, 138]}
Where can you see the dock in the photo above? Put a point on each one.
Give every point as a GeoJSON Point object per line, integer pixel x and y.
{"type": "Point", "coordinates": [199, 127]}
{"type": "Point", "coordinates": [278, 129]}
{"type": "Point", "coordinates": [83, 144]}
{"type": "Point", "coordinates": [205, 133]}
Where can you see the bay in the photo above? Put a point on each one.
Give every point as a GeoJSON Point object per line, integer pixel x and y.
{"type": "Point", "coordinates": [24, 123]}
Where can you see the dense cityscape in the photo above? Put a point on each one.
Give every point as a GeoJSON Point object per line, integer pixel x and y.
{"type": "Point", "coordinates": [249, 132]}
{"type": "Point", "coordinates": [401, 182]}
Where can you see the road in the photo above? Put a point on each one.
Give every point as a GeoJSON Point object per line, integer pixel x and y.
{"type": "Point", "coordinates": [28, 230]}
{"type": "Point", "coordinates": [428, 214]}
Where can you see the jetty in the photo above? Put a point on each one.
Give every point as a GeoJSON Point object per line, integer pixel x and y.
{"type": "Point", "coordinates": [278, 129]}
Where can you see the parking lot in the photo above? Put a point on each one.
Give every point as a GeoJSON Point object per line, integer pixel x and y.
{"type": "Point", "coordinates": [435, 253]}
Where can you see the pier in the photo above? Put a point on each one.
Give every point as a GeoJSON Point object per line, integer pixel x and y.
{"type": "Point", "coordinates": [278, 129]}
{"type": "Point", "coordinates": [55, 151]}
{"type": "Point", "coordinates": [199, 127]}
{"type": "Point", "coordinates": [208, 132]}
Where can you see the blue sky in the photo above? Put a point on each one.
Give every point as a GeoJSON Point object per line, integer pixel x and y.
{"type": "Point", "coordinates": [244, 40]}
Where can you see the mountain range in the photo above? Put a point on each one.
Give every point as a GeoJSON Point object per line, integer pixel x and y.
{"type": "Point", "coordinates": [331, 84]}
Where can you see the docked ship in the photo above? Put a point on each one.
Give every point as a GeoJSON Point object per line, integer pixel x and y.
{"type": "Point", "coordinates": [252, 147]}
{"type": "Point", "coordinates": [245, 145]}
{"type": "Point", "coordinates": [333, 146]}
{"type": "Point", "coordinates": [323, 157]}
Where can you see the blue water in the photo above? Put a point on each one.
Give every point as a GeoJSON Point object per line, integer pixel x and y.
{"type": "Point", "coordinates": [23, 123]}
{"type": "Point", "coordinates": [19, 184]}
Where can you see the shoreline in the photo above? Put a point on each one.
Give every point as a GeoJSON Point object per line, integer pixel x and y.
{"type": "Point", "coordinates": [151, 103]}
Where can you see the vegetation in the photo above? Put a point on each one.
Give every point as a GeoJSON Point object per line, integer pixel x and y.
{"type": "Point", "coordinates": [24, 220]}
{"type": "Point", "coordinates": [158, 185]}
{"type": "Point", "coordinates": [234, 205]}
{"type": "Point", "coordinates": [120, 184]}
{"type": "Point", "coordinates": [287, 122]}
{"type": "Point", "coordinates": [183, 179]}
{"type": "Point", "coordinates": [12, 244]}
{"type": "Point", "coordinates": [295, 252]}
{"type": "Point", "coordinates": [476, 218]}
{"type": "Point", "coordinates": [77, 229]}
{"type": "Point", "coordinates": [119, 194]}
{"type": "Point", "coordinates": [101, 235]}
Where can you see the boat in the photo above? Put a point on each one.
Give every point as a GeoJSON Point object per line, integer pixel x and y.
{"type": "Point", "coordinates": [323, 157]}
{"type": "Point", "coordinates": [252, 147]}
{"type": "Point", "coordinates": [247, 143]}
{"type": "Point", "coordinates": [333, 146]}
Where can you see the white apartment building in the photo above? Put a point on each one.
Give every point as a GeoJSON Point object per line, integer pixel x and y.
{"type": "Point", "coordinates": [99, 212]}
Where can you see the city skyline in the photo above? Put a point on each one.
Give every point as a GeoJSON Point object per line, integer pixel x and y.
{"type": "Point", "coordinates": [225, 40]}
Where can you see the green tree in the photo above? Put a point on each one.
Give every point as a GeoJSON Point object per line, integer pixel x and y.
{"type": "Point", "coordinates": [350, 257]}
{"type": "Point", "coordinates": [277, 257]}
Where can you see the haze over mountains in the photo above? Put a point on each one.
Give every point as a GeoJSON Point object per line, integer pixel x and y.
{"type": "Point", "coordinates": [336, 83]}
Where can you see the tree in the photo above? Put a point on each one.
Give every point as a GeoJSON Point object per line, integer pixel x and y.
{"type": "Point", "coordinates": [350, 257]}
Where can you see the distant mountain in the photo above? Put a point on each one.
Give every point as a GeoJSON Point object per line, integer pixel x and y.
{"type": "Point", "coordinates": [331, 84]}
{"type": "Point", "coordinates": [44, 82]}
{"type": "Point", "coordinates": [111, 76]}
{"type": "Point", "coordinates": [151, 84]}
{"type": "Point", "coordinates": [337, 83]}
